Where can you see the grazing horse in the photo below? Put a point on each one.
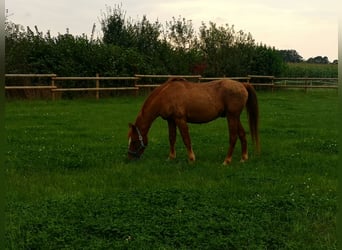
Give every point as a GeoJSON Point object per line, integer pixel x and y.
{"type": "Point", "coordinates": [178, 102]}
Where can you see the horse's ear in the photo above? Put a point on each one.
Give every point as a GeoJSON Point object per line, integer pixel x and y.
{"type": "Point", "coordinates": [130, 125]}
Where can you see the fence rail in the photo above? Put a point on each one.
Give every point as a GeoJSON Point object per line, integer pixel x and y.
{"type": "Point", "coordinates": [238, 78]}
{"type": "Point", "coordinates": [96, 88]}
{"type": "Point", "coordinates": [305, 83]}
{"type": "Point", "coordinates": [153, 79]}
{"type": "Point", "coordinates": [139, 81]}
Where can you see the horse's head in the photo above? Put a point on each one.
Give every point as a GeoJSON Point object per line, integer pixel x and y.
{"type": "Point", "coordinates": [136, 142]}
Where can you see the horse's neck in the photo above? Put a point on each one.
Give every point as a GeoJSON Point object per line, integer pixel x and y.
{"type": "Point", "coordinates": [144, 121]}
{"type": "Point", "coordinates": [148, 113]}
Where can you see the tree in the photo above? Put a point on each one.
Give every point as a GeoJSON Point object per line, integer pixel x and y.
{"type": "Point", "coordinates": [226, 52]}
{"type": "Point", "coordinates": [318, 60]}
{"type": "Point", "coordinates": [146, 35]}
{"type": "Point", "coordinates": [266, 61]}
{"type": "Point", "coordinates": [290, 56]}
{"type": "Point", "coordinates": [115, 28]}
{"type": "Point", "coordinates": [180, 34]}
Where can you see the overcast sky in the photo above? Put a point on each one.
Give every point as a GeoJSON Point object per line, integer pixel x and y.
{"type": "Point", "coordinates": [308, 26]}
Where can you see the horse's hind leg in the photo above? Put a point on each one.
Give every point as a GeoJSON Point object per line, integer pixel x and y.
{"type": "Point", "coordinates": [233, 126]}
{"type": "Point", "coordinates": [184, 131]}
{"type": "Point", "coordinates": [172, 138]}
{"type": "Point", "coordinates": [243, 140]}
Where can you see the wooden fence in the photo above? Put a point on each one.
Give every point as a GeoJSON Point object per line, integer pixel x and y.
{"type": "Point", "coordinates": [17, 86]}
{"type": "Point", "coordinates": [55, 88]}
{"type": "Point", "coordinates": [50, 82]}
{"type": "Point", "coordinates": [152, 81]}
{"type": "Point", "coordinates": [96, 88]}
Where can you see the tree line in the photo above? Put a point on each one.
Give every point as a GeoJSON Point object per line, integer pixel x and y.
{"type": "Point", "coordinates": [130, 47]}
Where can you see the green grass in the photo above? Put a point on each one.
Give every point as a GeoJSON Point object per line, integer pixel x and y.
{"type": "Point", "coordinates": [69, 185]}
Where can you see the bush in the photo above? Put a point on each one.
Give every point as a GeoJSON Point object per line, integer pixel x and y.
{"type": "Point", "coordinates": [143, 47]}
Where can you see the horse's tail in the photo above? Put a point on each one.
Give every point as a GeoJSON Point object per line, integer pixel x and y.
{"type": "Point", "coordinates": [253, 115]}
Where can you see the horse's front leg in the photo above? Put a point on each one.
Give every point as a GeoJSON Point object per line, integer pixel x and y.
{"type": "Point", "coordinates": [172, 138]}
{"type": "Point", "coordinates": [184, 131]}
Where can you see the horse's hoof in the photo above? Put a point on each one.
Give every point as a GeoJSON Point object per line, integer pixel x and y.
{"type": "Point", "coordinates": [191, 158]}
{"type": "Point", "coordinates": [172, 156]}
{"type": "Point", "coordinates": [191, 162]}
{"type": "Point", "coordinates": [244, 158]}
{"type": "Point", "coordinates": [225, 163]}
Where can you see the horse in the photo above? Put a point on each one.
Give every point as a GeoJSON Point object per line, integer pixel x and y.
{"type": "Point", "coordinates": [179, 102]}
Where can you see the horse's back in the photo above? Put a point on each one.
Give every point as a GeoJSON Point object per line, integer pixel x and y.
{"type": "Point", "coordinates": [231, 87]}
{"type": "Point", "coordinates": [179, 90]}
{"type": "Point", "coordinates": [200, 102]}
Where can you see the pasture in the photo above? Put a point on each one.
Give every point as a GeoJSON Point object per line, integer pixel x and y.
{"type": "Point", "coordinates": [69, 185]}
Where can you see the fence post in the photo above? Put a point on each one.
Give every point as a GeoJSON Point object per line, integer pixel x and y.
{"type": "Point", "coordinates": [272, 83]}
{"type": "Point", "coordinates": [135, 85]}
{"type": "Point", "coordinates": [97, 86]}
{"type": "Point", "coordinates": [52, 88]}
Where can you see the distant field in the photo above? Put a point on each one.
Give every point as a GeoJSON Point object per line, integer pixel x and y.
{"type": "Point", "coordinates": [71, 187]}
{"type": "Point", "coordinates": [310, 70]}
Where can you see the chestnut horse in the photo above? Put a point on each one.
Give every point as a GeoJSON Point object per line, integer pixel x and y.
{"type": "Point", "coordinates": [178, 102]}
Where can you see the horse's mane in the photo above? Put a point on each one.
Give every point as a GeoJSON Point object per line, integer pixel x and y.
{"type": "Point", "coordinates": [157, 91]}
{"type": "Point", "coordinates": [151, 96]}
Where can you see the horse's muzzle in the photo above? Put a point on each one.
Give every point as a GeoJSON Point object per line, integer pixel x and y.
{"type": "Point", "coordinates": [133, 155]}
